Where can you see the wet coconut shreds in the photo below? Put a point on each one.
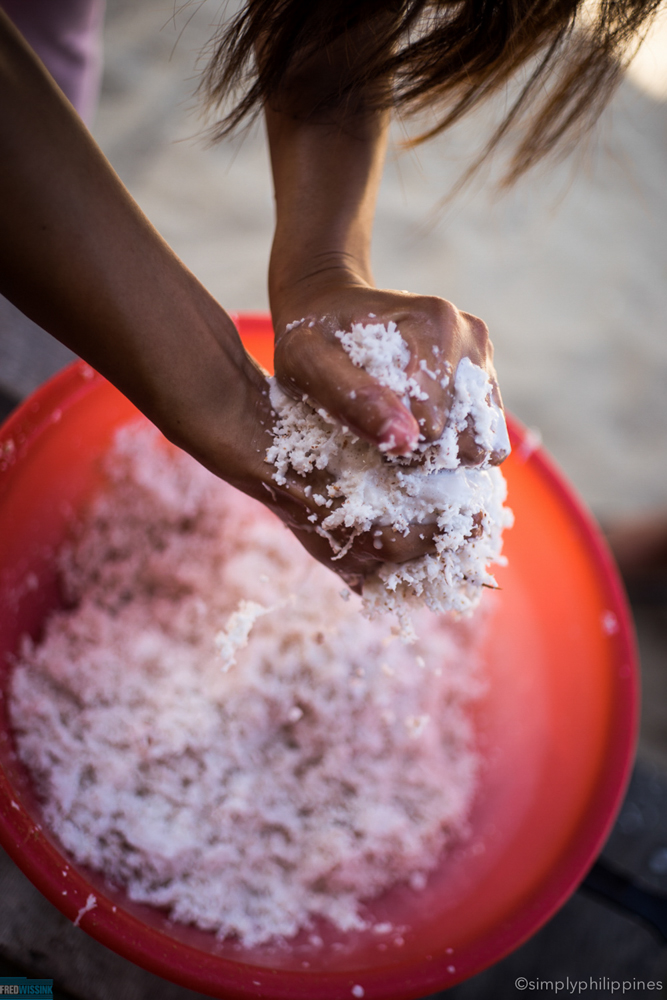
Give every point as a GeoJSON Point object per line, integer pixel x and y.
{"type": "Point", "coordinates": [370, 490]}
{"type": "Point", "coordinates": [213, 725]}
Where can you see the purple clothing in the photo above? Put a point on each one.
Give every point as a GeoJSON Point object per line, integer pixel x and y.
{"type": "Point", "coordinates": [67, 37]}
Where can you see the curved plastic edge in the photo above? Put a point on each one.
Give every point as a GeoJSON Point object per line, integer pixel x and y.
{"type": "Point", "coordinates": [564, 880]}
{"type": "Point", "coordinates": [192, 968]}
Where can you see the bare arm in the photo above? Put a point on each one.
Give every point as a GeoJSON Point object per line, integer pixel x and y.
{"type": "Point", "coordinates": [327, 165]}
{"type": "Point", "coordinates": [79, 257]}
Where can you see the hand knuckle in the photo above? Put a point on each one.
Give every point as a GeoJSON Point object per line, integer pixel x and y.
{"type": "Point", "coordinates": [477, 326]}
{"type": "Point", "coordinates": [444, 312]}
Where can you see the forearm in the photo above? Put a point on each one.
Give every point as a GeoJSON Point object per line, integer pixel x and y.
{"type": "Point", "coordinates": [326, 181]}
{"type": "Point", "coordinates": [79, 257]}
{"type": "Point", "coordinates": [327, 149]}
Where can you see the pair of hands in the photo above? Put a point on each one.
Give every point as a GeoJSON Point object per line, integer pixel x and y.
{"type": "Point", "coordinates": [309, 360]}
{"type": "Point", "coordinates": [78, 257]}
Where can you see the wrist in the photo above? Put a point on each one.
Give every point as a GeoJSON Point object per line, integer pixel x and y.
{"type": "Point", "coordinates": [326, 180]}
{"type": "Point", "coordinates": [312, 284]}
{"type": "Point", "coordinates": [183, 365]}
{"type": "Point", "coordinates": [216, 407]}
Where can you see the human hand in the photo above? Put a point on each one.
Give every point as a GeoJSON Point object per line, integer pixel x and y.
{"type": "Point", "coordinates": [227, 426]}
{"type": "Point", "coordinates": [327, 164]}
{"type": "Point", "coordinates": [310, 360]}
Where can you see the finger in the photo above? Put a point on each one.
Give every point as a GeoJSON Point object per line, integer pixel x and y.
{"type": "Point", "coordinates": [475, 342]}
{"type": "Point", "coordinates": [307, 361]}
{"type": "Point", "coordinates": [431, 402]}
{"type": "Point", "coordinates": [370, 551]}
{"type": "Point", "coordinates": [471, 453]}
{"type": "Point", "coordinates": [343, 550]}
{"type": "Point", "coordinates": [499, 454]}
{"type": "Point", "coordinates": [438, 335]}
{"type": "Point", "coordinates": [291, 504]}
{"type": "Point", "coordinates": [384, 544]}
{"type": "Point", "coordinates": [475, 448]}
{"type": "Point", "coordinates": [431, 331]}
{"type": "Point", "coordinates": [479, 349]}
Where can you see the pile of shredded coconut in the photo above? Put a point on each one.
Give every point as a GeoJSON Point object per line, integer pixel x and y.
{"type": "Point", "coordinates": [370, 490]}
{"type": "Point", "coordinates": [213, 725]}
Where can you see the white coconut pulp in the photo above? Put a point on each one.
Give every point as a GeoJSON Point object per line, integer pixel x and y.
{"type": "Point", "coordinates": [312, 767]}
{"type": "Point", "coordinates": [369, 489]}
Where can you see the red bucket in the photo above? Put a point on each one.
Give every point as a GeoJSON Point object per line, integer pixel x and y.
{"type": "Point", "coordinates": [557, 727]}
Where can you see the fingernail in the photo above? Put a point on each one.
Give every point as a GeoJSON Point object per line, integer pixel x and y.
{"type": "Point", "coordinates": [399, 434]}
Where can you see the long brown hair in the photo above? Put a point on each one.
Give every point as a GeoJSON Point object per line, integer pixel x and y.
{"type": "Point", "coordinates": [447, 54]}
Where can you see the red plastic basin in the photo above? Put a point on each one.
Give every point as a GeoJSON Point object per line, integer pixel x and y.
{"type": "Point", "coordinates": [558, 727]}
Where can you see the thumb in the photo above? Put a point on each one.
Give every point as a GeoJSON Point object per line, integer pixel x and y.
{"type": "Point", "coordinates": [310, 364]}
